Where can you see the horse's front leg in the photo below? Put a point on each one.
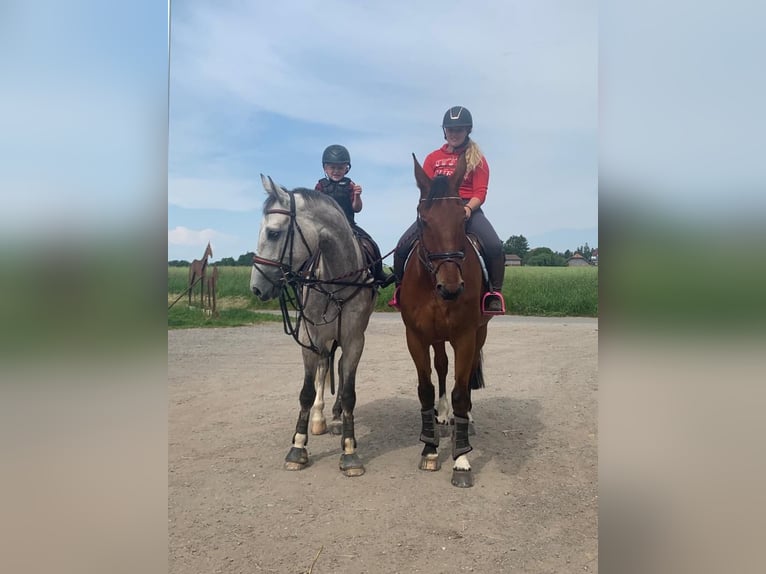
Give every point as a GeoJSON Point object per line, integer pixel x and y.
{"type": "Point", "coordinates": [298, 456]}
{"type": "Point", "coordinates": [191, 286]}
{"type": "Point", "coordinates": [421, 356]}
{"type": "Point", "coordinates": [462, 475]}
{"type": "Point", "coordinates": [318, 421]}
{"type": "Point", "coordinates": [441, 362]}
{"type": "Point", "coordinates": [350, 463]}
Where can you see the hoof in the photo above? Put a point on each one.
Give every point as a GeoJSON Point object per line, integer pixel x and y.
{"type": "Point", "coordinates": [444, 429]}
{"type": "Point", "coordinates": [336, 427]}
{"type": "Point", "coordinates": [429, 462]}
{"type": "Point", "coordinates": [351, 465]}
{"type": "Point", "coordinates": [296, 459]}
{"type": "Point", "coordinates": [462, 478]}
{"type": "Point", "coordinates": [318, 427]}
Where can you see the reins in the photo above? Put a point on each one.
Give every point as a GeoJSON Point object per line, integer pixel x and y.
{"type": "Point", "coordinates": [292, 283]}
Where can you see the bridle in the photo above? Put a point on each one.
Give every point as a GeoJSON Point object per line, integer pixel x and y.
{"type": "Point", "coordinates": [296, 281]}
{"type": "Point", "coordinates": [427, 257]}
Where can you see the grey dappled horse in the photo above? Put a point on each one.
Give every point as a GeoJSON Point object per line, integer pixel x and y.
{"type": "Point", "coordinates": [306, 247]}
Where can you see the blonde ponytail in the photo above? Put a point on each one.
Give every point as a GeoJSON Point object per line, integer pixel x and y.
{"type": "Point", "coordinates": [473, 156]}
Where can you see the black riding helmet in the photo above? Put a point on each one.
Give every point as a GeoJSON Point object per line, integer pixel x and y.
{"type": "Point", "coordinates": [336, 154]}
{"type": "Point", "coordinates": [457, 117]}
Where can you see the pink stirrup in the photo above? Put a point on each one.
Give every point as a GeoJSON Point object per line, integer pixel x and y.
{"type": "Point", "coordinates": [394, 302]}
{"type": "Point", "coordinates": [491, 294]}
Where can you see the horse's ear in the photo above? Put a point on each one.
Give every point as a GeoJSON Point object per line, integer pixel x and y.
{"type": "Point", "coordinates": [274, 190]}
{"type": "Point", "coordinates": [457, 176]}
{"type": "Point", "coordinates": [422, 179]}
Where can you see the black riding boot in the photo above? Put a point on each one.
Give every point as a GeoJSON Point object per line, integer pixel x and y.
{"type": "Point", "coordinates": [400, 256]}
{"type": "Point", "coordinates": [492, 303]}
{"type": "Point", "coordinates": [385, 279]}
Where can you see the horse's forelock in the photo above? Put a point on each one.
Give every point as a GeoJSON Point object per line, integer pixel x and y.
{"type": "Point", "coordinates": [439, 188]}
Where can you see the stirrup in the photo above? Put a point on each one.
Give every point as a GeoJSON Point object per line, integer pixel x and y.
{"type": "Point", "coordinates": [488, 299]}
{"type": "Point", "coordinates": [394, 302]}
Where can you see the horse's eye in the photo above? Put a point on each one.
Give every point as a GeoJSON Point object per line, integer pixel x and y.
{"type": "Point", "coordinates": [272, 234]}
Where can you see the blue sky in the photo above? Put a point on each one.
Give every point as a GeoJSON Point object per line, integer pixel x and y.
{"type": "Point", "coordinates": [82, 116]}
{"type": "Point", "coordinates": [264, 87]}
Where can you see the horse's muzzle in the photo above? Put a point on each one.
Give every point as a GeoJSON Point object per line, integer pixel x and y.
{"type": "Point", "coordinates": [257, 293]}
{"type": "Point", "coordinates": [448, 294]}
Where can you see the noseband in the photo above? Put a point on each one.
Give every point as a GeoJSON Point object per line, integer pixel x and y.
{"type": "Point", "coordinates": [285, 267]}
{"type": "Point", "coordinates": [427, 257]}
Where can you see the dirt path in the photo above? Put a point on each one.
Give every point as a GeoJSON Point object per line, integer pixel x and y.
{"type": "Point", "coordinates": [233, 404]}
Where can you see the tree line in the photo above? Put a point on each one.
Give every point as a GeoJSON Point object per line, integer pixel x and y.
{"type": "Point", "coordinates": [543, 256]}
{"type": "Point", "coordinates": [516, 244]}
{"type": "Point", "coordinates": [244, 260]}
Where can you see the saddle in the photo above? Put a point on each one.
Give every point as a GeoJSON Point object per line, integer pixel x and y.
{"type": "Point", "coordinates": [367, 250]}
{"type": "Point", "coordinates": [479, 248]}
{"type": "Point", "coordinates": [371, 257]}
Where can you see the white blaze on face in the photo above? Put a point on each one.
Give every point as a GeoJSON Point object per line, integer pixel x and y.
{"type": "Point", "coordinates": [461, 463]}
{"type": "Point", "coordinates": [300, 440]}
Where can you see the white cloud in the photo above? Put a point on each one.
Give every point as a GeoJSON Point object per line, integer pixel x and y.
{"type": "Point", "coordinates": [190, 237]}
{"type": "Point", "coordinates": [261, 87]}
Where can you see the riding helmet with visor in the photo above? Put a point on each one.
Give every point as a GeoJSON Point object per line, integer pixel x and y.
{"type": "Point", "coordinates": [336, 154]}
{"type": "Point", "coordinates": [457, 117]}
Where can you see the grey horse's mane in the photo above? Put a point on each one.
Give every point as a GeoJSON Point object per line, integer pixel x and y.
{"type": "Point", "coordinates": [312, 197]}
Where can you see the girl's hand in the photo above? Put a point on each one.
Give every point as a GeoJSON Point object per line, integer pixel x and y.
{"type": "Point", "coordinates": [357, 189]}
{"type": "Point", "coordinates": [468, 211]}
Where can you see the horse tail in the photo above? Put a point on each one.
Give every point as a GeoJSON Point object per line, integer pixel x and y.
{"type": "Point", "coordinates": [477, 376]}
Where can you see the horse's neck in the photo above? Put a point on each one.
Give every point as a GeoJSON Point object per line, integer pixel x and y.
{"type": "Point", "coordinates": [341, 254]}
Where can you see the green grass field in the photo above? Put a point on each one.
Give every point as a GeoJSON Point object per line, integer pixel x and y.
{"type": "Point", "coordinates": [534, 291]}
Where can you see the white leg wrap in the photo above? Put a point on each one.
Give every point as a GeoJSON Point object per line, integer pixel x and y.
{"type": "Point", "coordinates": [461, 463]}
{"type": "Point", "coordinates": [299, 441]}
{"type": "Point", "coordinates": [348, 446]}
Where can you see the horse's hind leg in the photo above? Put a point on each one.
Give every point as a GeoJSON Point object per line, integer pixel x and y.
{"type": "Point", "coordinates": [476, 380]}
{"type": "Point", "coordinates": [298, 456]}
{"type": "Point", "coordinates": [336, 424]}
{"type": "Point", "coordinates": [441, 362]}
{"type": "Point", "coordinates": [421, 356]}
{"type": "Point", "coordinates": [318, 421]}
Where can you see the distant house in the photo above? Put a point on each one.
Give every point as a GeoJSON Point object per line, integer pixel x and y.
{"type": "Point", "coordinates": [594, 256]}
{"type": "Point", "coordinates": [512, 260]}
{"type": "Point", "coordinates": [577, 260]}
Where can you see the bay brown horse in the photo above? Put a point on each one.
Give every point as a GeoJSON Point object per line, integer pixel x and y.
{"type": "Point", "coordinates": [440, 302]}
{"type": "Point", "coordinates": [197, 271]}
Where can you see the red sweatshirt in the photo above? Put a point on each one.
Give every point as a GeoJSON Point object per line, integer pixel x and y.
{"type": "Point", "coordinates": [442, 162]}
